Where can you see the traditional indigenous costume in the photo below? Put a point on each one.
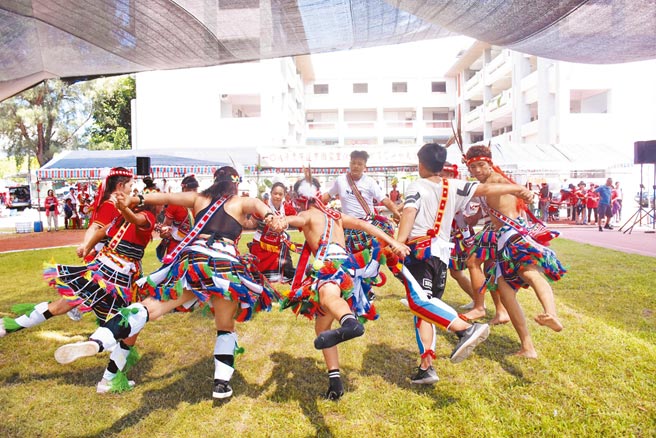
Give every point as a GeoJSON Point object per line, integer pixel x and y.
{"type": "Point", "coordinates": [355, 274]}
{"type": "Point", "coordinates": [105, 285]}
{"type": "Point", "coordinates": [357, 199]}
{"type": "Point", "coordinates": [212, 266]}
{"type": "Point", "coordinates": [181, 223]}
{"type": "Point", "coordinates": [516, 249]}
{"type": "Point", "coordinates": [424, 270]}
{"type": "Point", "coordinates": [273, 250]}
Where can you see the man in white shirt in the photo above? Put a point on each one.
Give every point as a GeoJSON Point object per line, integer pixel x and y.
{"type": "Point", "coordinates": [357, 194]}
{"type": "Point", "coordinates": [431, 203]}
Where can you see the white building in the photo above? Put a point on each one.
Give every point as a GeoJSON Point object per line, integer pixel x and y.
{"type": "Point", "coordinates": [232, 106]}
{"type": "Point", "coordinates": [590, 113]}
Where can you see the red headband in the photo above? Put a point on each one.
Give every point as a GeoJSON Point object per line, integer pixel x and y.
{"type": "Point", "coordinates": [479, 158]}
{"type": "Point", "coordinates": [453, 168]}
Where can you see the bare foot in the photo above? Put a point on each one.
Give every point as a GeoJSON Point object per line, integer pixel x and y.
{"type": "Point", "coordinates": [474, 314]}
{"type": "Point", "coordinates": [530, 354]}
{"type": "Point", "coordinates": [500, 318]}
{"type": "Point", "coordinates": [550, 321]}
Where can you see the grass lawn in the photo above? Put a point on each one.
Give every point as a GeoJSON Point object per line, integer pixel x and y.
{"type": "Point", "coordinates": [596, 378]}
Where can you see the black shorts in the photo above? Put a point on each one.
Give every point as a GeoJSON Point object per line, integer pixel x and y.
{"type": "Point", "coordinates": [430, 274]}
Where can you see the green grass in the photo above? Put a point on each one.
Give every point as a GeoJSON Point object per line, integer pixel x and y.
{"type": "Point", "coordinates": [596, 378]}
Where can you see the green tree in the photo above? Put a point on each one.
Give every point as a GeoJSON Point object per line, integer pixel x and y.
{"type": "Point", "coordinates": [43, 120]}
{"type": "Point", "coordinates": [112, 116]}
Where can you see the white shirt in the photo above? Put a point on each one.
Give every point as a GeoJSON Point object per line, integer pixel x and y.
{"type": "Point", "coordinates": [425, 196]}
{"type": "Point", "coordinates": [369, 189]}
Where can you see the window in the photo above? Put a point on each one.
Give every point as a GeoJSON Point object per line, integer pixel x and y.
{"type": "Point", "coordinates": [440, 115]}
{"type": "Point", "coordinates": [399, 87]}
{"type": "Point", "coordinates": [361, 88]}
{"type": "Point", "coordinates": [320, 88]}
{"type": "Point", "coordinates": [438, 87]}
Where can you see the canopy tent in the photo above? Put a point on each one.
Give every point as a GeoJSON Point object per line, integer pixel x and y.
{"type": "Point", "coordinates": [42, 39]}
{"type": "Point", "coordinates": [90, 164]}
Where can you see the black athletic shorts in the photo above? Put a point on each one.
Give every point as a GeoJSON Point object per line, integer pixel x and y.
{"type": "Point", "coordinates": [430, 274]}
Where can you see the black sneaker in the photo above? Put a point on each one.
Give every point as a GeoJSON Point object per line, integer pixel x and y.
{"type": "Point", "coordinates": [608, 226]}
{"type": "Point", "coordinates": [600, 229]}
{"type": "Point", "coordinates": [425, 377]}
{"type": "Point", "coordinates": [335, 389]}
{"type": "Point", "coordinates": [222, 389]}
{"type": "Point", "coordinates": [473, 336]}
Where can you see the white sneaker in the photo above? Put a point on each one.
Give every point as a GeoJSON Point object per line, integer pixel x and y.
{"type": "Point", "coordinates": [473, 336]}
{"type": "Point", "coordinates": [404, 301]}
{"type": "Point", "coordinates": [105, 386]}
{"type": "Point", "coordinates": [72, 352]}
{"type": "Point", "coordinates": [3, 332]}
{"type": "Point", "coordinates": [468, 306]}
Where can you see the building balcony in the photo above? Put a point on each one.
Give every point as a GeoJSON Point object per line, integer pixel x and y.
{"type": "Point", "coordinates": [499, 68]}
{"type": "Point", "coordinates": [473, 120]}
{"type": "Point", "coordinates": [529, 129]}
{"type": "Point", "coordinates": [474, 87]}
{"type": "Point", "coordinates": [530, 82]}
{"type": "Point", "coordinates": [499, 106]}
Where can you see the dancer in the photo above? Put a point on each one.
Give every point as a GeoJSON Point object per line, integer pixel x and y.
{"type": "Point", "coordinates": [104, 285]}
{"type": "Point", "coordinates": [337, 287]}
{"type": "Point", "coordinates": [357, 193]}
{"type": "Point", "coordinates": [272, 249]}
{"type": "Point", "coordinates": [207, 266]}
{"type": "Point", "coordinates": [178, 220]}
{"type": "Point", "coordinates": [431, 203]}
{"type": "Point", "coordinates": [521, 260]}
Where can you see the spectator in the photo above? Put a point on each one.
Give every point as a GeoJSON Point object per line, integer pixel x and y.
{"type": "Point", "coordinates": [617, 202]}
{"type": "Point", "coordinates": [545, 200]}
{"type": "Point", "coordinates": [51, 205]}
{"type": "Point", "coordinates": [604, 209]}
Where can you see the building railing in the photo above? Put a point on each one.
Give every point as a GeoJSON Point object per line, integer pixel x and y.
{"type": "Point", "coordinates": [322, 125]}
{"type": "Point", "coordinates": [438, 124]}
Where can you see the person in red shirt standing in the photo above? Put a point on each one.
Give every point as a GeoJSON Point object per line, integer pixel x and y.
{"type": "Point", "coordinates": [591, 203]}
{"type": "Point", "coordinates": [51, 205]}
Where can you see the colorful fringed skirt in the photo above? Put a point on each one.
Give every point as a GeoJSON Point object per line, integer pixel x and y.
{"type": "Point", "coordinates": [104, 285]}
{"type": "Point", "coordinates": [355, 274]}
{"type": "Point", "coordinates": [516, 251]}
{"type": "Point", "coordinates": [460, 251]}
{"type": "Point", "coordinates": [358, 240]}
{"type": "Point", "coordinates": [274, 259]}
{"type": "Point", "coordinates": [484, 244]}
{"type": "Point", "coordinates": [209, 271]}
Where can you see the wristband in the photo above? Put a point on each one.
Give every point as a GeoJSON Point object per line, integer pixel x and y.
{"type": "Point", "coordinates": [142, 201]}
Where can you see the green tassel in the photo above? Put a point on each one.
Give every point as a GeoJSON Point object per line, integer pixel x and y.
{"type": "Point", "coordinates": [10, 325]}
{"type": "Point", "coordinates": [132, 359]}
{"type": "Point", "coordinates": [23, 308]}
{"type": "Point", "coordinates": [125, 314]}
{"type": "Point", "coordinates": [120, 383]}
{"type": "Point", "coordinates": [178, 287]}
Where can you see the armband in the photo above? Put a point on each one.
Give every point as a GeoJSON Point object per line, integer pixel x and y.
{"type": "Point", "coordinates": [142, 201]}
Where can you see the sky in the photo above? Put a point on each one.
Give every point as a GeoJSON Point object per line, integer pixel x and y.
{"type": "Point", "coordinates": [391, 61]}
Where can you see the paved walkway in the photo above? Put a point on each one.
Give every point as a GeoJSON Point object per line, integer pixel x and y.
{"type": "Point", "coordinates": [641, 240]}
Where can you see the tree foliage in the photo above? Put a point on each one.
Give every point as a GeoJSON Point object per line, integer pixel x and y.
{"type": "Point", "coordinates": [112, 116]}
{"type": "Point", "coordinates": [42, 120]}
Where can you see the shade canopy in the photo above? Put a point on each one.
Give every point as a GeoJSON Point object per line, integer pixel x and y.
{"type": "Point", "coordinates": [91, 164]}
{"type": "Point", "coordinates": [43, 39]}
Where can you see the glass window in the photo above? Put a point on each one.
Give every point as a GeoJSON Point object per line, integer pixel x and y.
{"type": "Point", "coordinates": [399, 87]}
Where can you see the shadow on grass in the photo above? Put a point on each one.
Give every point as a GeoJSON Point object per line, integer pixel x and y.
{"type": "Point", "coordinates": [295, 379]}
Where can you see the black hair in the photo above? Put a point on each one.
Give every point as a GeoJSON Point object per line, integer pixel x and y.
{"type": "Point", "coordinates": [148, 181]}
{"type": "Point", "coordinates": [360, 155]}
{"type": "Point", "coordinates": [113, 181]}
{"type": "Point", "coordinates": [432, 156]}
{"type": "Point", "coordinates": [224, 183]}
{"type": "Point", "coordinates": [189, 182]}
{"type": "Point", "coordinates": [478, 151]}
{"type": "Point", "coordinates": [279, 184]}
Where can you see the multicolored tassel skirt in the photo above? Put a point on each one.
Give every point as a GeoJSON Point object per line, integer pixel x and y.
{"type": "Point", "coordinates": [355, 274]}
{"type": "Point", "coordinates": [209, 271]}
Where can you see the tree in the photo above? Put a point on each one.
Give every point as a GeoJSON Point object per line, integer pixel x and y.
{"type": "Point", "coordinates": [43, 120]}
{"type": "Point", "coordinates": [112, 115]}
